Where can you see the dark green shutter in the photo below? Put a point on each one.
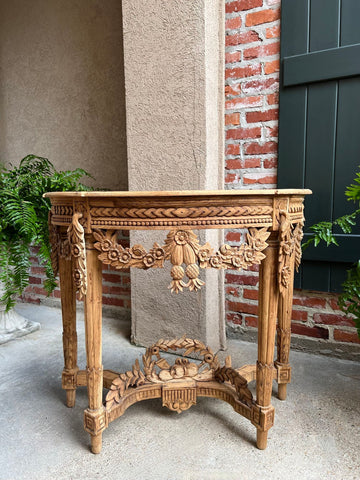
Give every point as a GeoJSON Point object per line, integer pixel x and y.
{"type": "Point", "coordinates": [319, 124]}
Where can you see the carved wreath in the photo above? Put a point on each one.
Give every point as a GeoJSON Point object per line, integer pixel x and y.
{"type": "Point", "coordinates": [182, 247]}
{"type": "Point", "coordinates": [159, 371]}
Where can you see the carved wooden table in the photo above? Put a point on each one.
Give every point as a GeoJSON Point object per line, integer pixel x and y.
{"type": "Point", "coordinates": [83, 231]}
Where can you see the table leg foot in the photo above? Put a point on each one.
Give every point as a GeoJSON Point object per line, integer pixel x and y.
{"type": "Point", "coordinates": [70, 398]}
{"type": "Point", "coordinates": [261, 439]}
{"type": "Point", "coordinates": [282, 391]}
{"type": "Point", "coordinates": [96, 443]}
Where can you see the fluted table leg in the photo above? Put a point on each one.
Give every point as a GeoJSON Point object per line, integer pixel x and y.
{"type": "Point", "coordinates": [268, 303]}
{"type": "Point", "coordinates": [68, 306]}
{"type": "Point", "coordinates": [95, 418]}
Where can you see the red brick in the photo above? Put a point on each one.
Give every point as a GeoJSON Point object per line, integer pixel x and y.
{"type": "Point", "coordinates": [115, 301]}
{"type": "Point", "coordinates": [38, 270]}
{"type": "Point", "coordinates": [252, 163]}
{"type": "Point", "coordinates": [233, 236]}
{"type": "Point", "coordinates": [242, 307]}
{"type": "Point", "coordinates": [264, 16]}
{"type": "Point", "coordinates": [233, 23]}
{"type": "Point", "coordinates": [273, 32]}
{"type": "Point", "coordinates": [244, 102]}
{"type": "Point", "coordinates": [251, 294]}
{"type": "Point", "coordinates": [232, 57]}
{"type": "Point", "coordinates": [30, 298]}
{"type": "Point", "coordinates": [254, 268]}
{"type": "Point", "coordinates": [259, 149]}
{"type": "Point", "coordinates": [39, 291]}
{"type": "Point", "coordinates": [334, 303]}
{"type": "Point", "coordinates": [243, 72]}
{"type": "Point", "coordinates": [240, 5]}
{"type": "Point", "coordinates": [115, 290]}
{"type": "Point", "coordinates": [300, 315]}
{"type": "Point", "coordinates": [270, 163]}
{"type": "Point", "coordinates": [232, 119]}
{"type": "Point", "coordinates": [272, 67]}
{"type": "Point", "coordinates": [331, 319]}
{"type": "Point", "coordinates": [258, 86]}
{"type": "Point", "coordinates": [57, 293]}
{"type": "Point", "coordinates": [234, 318]}
{"type": "Point", "coordinates": [263, 180]}
{"type": "Point", "coordinates": [312, 302]}
{"type": "Point", "coordinates": [233, 164]}
{"type": "Point", "coordinates": [251, 321]}
{"type": "Point", "coordinates": [254, 117]}
{"type": "Point", "coordinates": [242, 133]}
{"type": "Point", "coordinates": [241, 279]}
{"type": "Point", "coordinates": [231, 178]}
{"type": "Point", "coordinates": [316, 332]}
{"type": "Point", "coordinates": [262, 51]}
{"type": "Point", "coordinates": [233, 90]}
{"type": "Point", "coordinates": [232, 149]}
{"type": "Point", "coordinates": [273, 98]}
{"type": "Point", "coordinates": [232, 291]}
{"type": "Point", "coordinates": [111, 277]}
{"type": "Point", "coordinates": [241, 38]}
{"type": "Point", "coordinates": [272, 132]}
{"type": "Point", "coordinates": [34, 280]}
{"type": "Point", "coordinates": [342, 336]}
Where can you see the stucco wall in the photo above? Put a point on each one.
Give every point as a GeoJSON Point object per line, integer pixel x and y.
{"type": "Point", "coordinates": [62, 85]}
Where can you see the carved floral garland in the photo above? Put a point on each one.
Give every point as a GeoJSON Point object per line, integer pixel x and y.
{"type": "Point", "coordinates": [76, 239]}
{"type": "Point", "coordinates": [159, 371]}
{"type": "Point", "coordinates": [290, 246]}
{"type": "Point", "coordinates": [183, 247]}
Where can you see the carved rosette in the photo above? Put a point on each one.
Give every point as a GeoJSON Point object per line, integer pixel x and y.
{"type": "Point", "coordinates": [289, 249]}
{"type": "Point", "coordinates": [184, 251]}
{"type": "Point", "coordinates": [178, 380]}
{"type": "Point", "coordinates": [76, 240]}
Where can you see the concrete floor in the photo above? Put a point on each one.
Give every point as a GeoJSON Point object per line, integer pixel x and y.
{"type": "Point", "coordinates": [316, 433]}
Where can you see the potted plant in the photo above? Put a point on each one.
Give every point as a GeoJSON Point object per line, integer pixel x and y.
{"type": "Point", "coordinates": [23, 225]}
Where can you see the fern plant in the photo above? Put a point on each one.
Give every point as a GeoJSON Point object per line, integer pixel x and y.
{"type": "Point", "coordinates": [349, 299]}
{"type": "Point", "coordinates": [24, 220]}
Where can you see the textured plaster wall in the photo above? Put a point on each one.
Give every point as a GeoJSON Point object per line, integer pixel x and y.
{"type": "Point", "coordinates": [174, 102]}
{"type": "Point", "coordinates": [62, 85]}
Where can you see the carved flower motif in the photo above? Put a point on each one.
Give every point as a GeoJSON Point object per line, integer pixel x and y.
{"type": "Point", "coordinates": [75, 251]}
{"type": "Point", "coordinates": [159, 252]}
{"type": "Point", "coordinates": [106, 244]}
{"type": "Point", "coordinates": [124, 257]}
{"type": "Point", "coordinates": [181, 237]}
{"type": "Point", "coordinates": [215, 262]}
{"type": "Point", "coordinates": [138, 251]}
{"type": "Point", "coordinates": [286, 247]}
{"type": "Point", "coordinates": [203, 255]}
{"type": "Point", "coordinates": [113, 254]}
{"type": "Point", "coordinates": [149, 260]}
{"type": "Point", "coordinates": [237, 260]}
{"type": "Point", "coordinates": [226, 250]}
{"type": "Point", "coordinates": [77, 278]}
{"type": "Point", "coordinates": [249, 255]}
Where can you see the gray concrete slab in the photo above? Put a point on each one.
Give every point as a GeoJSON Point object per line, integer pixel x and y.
{"type": "Point", "coordinates": [316, 433]}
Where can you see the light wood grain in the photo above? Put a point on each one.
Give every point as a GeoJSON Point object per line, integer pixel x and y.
{"type": "Point", "coordinates": [90, 221]}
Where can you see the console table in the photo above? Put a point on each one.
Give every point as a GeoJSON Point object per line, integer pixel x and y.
{"type": "Point", "coordinates": [83, 233]}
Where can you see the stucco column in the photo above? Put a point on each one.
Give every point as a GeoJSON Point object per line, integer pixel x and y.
{"type": "Point", "coordinates": [174, 62]}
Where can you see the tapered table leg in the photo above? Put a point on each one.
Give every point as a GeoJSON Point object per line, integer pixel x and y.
{"type": "Point", "coordinates": [284, 335]}
{"type": "Point", "coordinates": [268, 303]}
{"type": "Point", "coordinates": [68, 306]}
{"type": "Point", "coordinates": [94, 418]}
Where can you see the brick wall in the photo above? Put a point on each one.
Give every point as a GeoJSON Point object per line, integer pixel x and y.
{"type": "Point", "coordinates": [252, 84]}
